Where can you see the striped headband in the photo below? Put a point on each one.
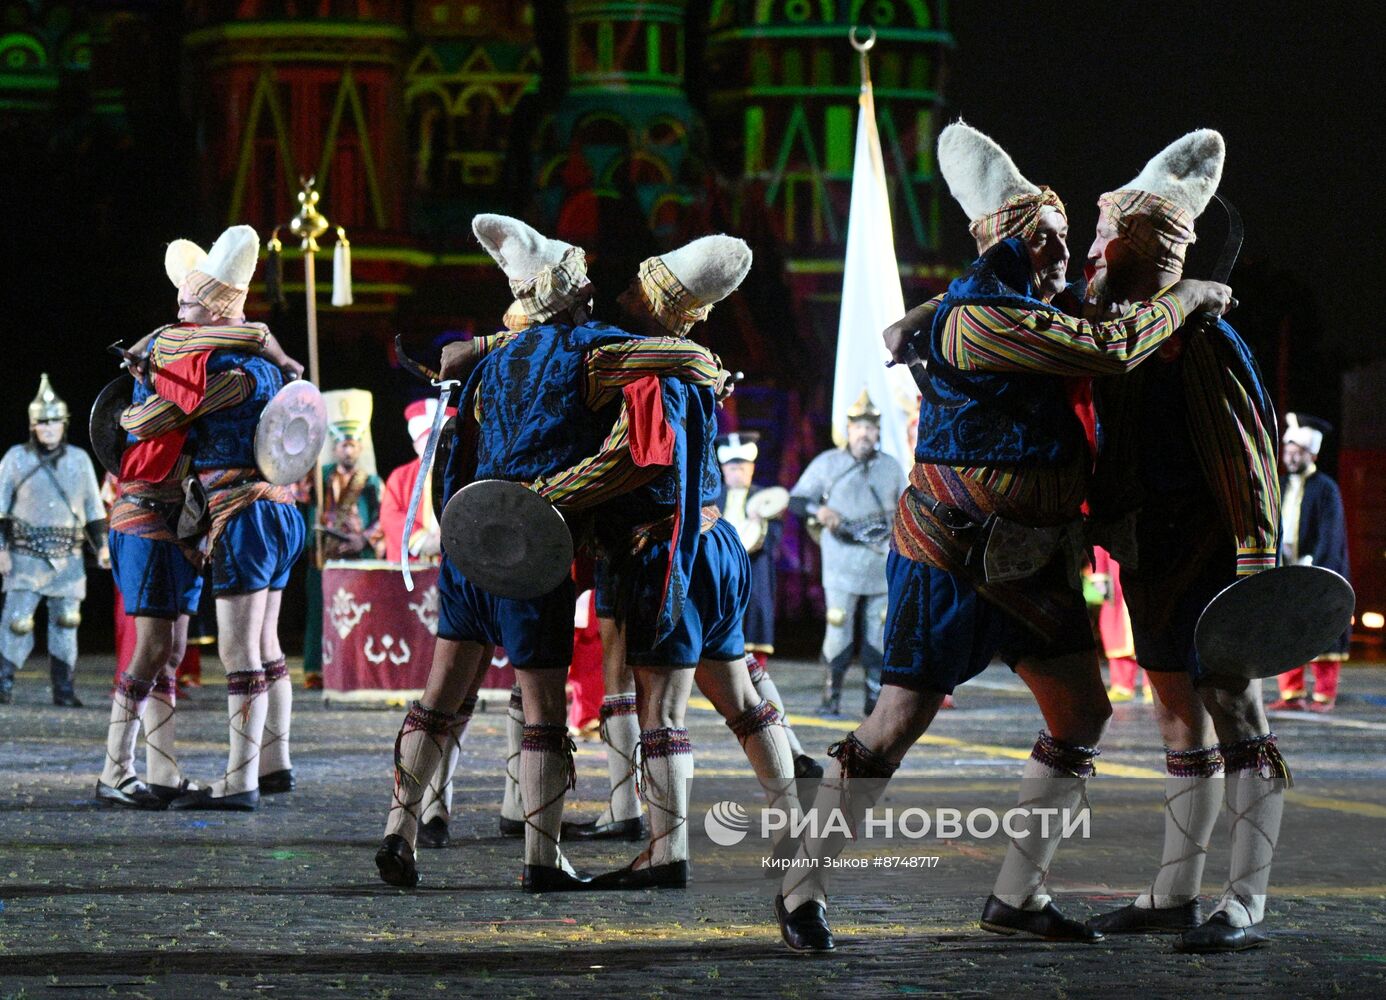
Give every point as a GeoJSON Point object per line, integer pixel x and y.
{"type": "Point", "coordinates": [553, 290]}
{"type": "Point", "coordinates": [1154, 227]}
{"type": "Point", "coordinates": [1018, 215]}
{"type": "Point", "coordinates": [674, 306]}
{"type": "Point", "coordinates": [216, 296]}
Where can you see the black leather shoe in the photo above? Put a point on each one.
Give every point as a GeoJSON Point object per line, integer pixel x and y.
{"type": "Point", "coordinates": [434, 833]}
{"type": "Point", "coordinates": [395, 859]}
{"type": "Point", "coordinates": [1218, 934]}
{"type": "Point", "coordinates": [202, 798]}
{"type": "Point", "coordinates": [674, 875]}
{"type": "Point", "coordinates": [1132, 919]}
{"type": "Point", "coordinates": [806, 929]}
{"type": "Point", "coordinates": [6, 696]}
{"type": "Point", "coordinates": [131, 793]}
{"type": "Point", "coordinates": [542, 878]}
{"type": "Point", "coordinates": [1048, 923]}
{"type": "Point", "coordinates": [277, 782]}
{"type": "Point", "coordinates": [167, 793]}
{"type": "Point", "coordinates": [621, 829]}
{"type": "Point", "coordinates": [66, 699]}
{"type": "Point", "coordinates": [806, 767]}
{"type": "Point", "coordinates": [512, 827]}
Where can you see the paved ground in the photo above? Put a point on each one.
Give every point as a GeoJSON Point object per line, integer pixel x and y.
{"type": "Point", "coordinates": [285, 902]}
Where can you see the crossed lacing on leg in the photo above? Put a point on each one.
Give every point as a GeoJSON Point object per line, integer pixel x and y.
{"type": "Point", "coordinates": [658, 745]}
{"type": "Point", "coordinates": [250, 685]}
{"type": "Point", "coordinates": [754, 720]}
{"type": "Point", "coordinates": [856, 763]}
{"type": "Point", "coordinates": [440, 785]}
{"type": "Point", "coordinates": [621, 705]}
{"type": "Point", "coordinates": [275, 670]}
{"type": "Point", "coordinates": [130, 695]}
{"type": "Point", "coordinates": [410, 779]}
{"type": "Point", "coordinates": [1201, 762]}
{"type": "Point", "coordinates": [544, 738]}
{"type": "Point", "coordinates": [165, 687]}
{"type": "Point", "coordinates": [1262, 755]}
{"type": "Point", "coordinates": [1066, 758]}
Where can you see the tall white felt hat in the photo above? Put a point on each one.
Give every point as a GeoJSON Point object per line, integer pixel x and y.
{"type": "Point", "coordinates": [1186, 172]}
{"type": "Point", "coordinates": [181, 257]}
{"type": "Point", "coordinates": [711, 267]}
{"type": "Point", "coordinates": [519, 249]}
{"type": "Point", "coordinates": [232, 258]}
{"type": "Point", "coordinates": [980, 174]}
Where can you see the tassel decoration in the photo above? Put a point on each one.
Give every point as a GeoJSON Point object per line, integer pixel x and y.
{"type": "Point", "coordinates": [341, 270]}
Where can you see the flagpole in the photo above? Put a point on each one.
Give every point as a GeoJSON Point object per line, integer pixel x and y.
{"type": "Point", "coordinates": [872, 297]}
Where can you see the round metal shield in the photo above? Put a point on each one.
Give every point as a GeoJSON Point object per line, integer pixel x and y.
{"type": "Point", "coordinates": [1274, 621]}
{"type": "Point", "coordinates": [506, 539]}
{"type": "Point", "coordinates": [107, 436]}
{"type": "Point", "coordinates": [289, 437]}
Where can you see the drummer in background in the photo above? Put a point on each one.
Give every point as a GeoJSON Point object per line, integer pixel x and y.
{"type": "Point", "coordinates": [424, 538]}
{"type": "Point", "coordinates": [757, 514]}
{"type": "Point", "coordinates": [349, 524]}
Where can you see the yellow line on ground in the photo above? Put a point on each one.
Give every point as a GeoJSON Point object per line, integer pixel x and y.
{"type": "Point", "coordinates": [1369, 809]}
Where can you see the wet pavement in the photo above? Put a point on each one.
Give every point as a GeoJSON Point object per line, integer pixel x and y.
{"type": "Point", "coordinates": [285, 902]}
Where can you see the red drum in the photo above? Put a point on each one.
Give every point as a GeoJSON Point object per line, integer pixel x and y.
{"type": "Point", "coordinates": [377, 637]}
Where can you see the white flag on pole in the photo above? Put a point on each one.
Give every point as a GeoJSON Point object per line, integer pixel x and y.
{"type": "Point", "coordinates": [871, 300]}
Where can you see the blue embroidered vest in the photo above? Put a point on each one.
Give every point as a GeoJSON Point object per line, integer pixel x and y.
{"type": "Point", "coordinates": [996, 418]}
{"type": "Point", "coordinates": [535, 421]}
{"type": "Point", "coordinates": [226, 438]}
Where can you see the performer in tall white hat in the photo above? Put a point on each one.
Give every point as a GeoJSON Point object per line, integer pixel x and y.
{"type": "Point", "coordinates": [210, 377]}
{"type": "Point", "coordinates": [1195, 436]}
{"type": "Point", "coordinates": [576, 369]}
{"type": "Point", "coordinates": [995, 453]}
{"type": "Point", "coordinates": [158, 568]}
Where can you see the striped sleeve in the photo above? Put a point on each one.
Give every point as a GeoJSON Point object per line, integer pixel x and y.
{"type": "Point", "coordinates": [157, 415]}
{"type": "Point", "coordinates": [611, 367]}
{"type": "Point", "coordinates": [494, 342]}
{"type": "Point", "coordinates": [1010, 339]}
{"type": "Point", "coordinates": [1236, 446]}
{"type": "Point", "coordinates": [600, 477]}
{"type": "Point", "coordinates": [179, 342]}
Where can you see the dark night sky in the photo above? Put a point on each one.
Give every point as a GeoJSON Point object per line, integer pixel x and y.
{"type": "Point", "coordinates": [1083, 93]}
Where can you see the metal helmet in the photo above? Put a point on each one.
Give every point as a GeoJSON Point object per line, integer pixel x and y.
{"type": "Point", "coordinates": [863, 409]}
{"type": "Point", "coordinates": [47, 405]}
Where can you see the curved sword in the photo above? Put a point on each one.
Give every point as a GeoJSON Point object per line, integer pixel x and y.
{"type": "Point", "coordinates": [446, 387]}
{"type": "Point", "coordinates": [416, 368]}
{"type": "Point", "coordinates": [1232, 246]}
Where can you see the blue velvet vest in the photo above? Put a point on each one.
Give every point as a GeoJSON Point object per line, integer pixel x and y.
{"type": "Point", "coordinates": [997, 418]}
{"type": "Point", "coordinates": [226, 438]}
{"type": "Point", "coordinates": [535, 420]}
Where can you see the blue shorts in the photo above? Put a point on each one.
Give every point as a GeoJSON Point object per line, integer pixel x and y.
{"type": "Point", "coordinates": [537, 634]}
{"type": "Point", "coordinates": [1165, 609]}
{"type": "Point", "coordinates": [940, 632]}
{"type": "Point", "coordinates": [604, 589]}
{"type": "Point", "coordinates": [257, 549]}
{"type": "Point", "coordinates": [154, 578]}
{"type": "Point", "coordinates": [719, 589]}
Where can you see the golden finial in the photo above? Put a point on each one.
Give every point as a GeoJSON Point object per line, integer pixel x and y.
{"type": "Point", "coordinates": [309, 223]}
